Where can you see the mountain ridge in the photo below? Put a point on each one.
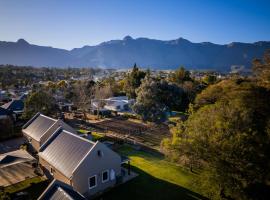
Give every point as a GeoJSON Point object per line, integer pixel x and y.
{"type": "Point", "coordinates": [156, 54]}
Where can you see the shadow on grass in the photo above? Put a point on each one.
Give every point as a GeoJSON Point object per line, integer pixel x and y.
{"type": "Point", "coordinates": [34, 191]}
{"type": "Point", "coordinates": [148, 187]}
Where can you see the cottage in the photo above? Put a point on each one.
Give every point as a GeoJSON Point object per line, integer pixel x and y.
{"type": "Point", "coordinates": [60, 190]}
{"type": "Point", "coordinates": [89, 167]}
{"type": "Point", "coordinates": [38, 129]}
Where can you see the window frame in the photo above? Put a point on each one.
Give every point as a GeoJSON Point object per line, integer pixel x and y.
{"type": "Point", "coordinates": [95, 182]}
{"type": "Point", "coordinates": [108, 177]}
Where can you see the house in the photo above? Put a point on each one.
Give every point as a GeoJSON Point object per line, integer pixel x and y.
{"type": "Point", "coordinates": [60, 190]}
{"type": "Point", "coordinates": [16, 166]}
{"type": "Point", "coordinates": [89, 167]}
{"type": "Point", "coordinates": [38, 129]}
{"type": "Point", "coordinates": [119, 104]}
{"type": "Point", "coordinates": [15, 105]}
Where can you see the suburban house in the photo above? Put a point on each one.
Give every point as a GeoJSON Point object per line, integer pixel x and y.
{"type": "Point", "coordinates": [60, 190]}
{"type": "Point", "coordinates": [38, 129]}
{"type": "Point", "coordinates": [15, 105]}
{"type": "Point", "coordinates": [119, 104]}
{"type": "Point", "coordinates": [88, 167]}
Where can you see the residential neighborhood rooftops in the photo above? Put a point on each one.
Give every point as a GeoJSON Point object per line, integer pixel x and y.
{"type": "Point", "coordinates": [38, 125]}
{"type": "Point", "coordinates": [16, 105]}
{"type": "Point", "coordinates": [59, 190]}
{"type": "Point", "coordinates": [65, 150]}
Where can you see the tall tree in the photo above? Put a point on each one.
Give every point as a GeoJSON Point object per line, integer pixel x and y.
{"type": "Point", "coordinates": [155, 98]}
{"type": "Point", "coordinates": [39, 101]}
{"type": "Point", "coordinates": [133, 81]}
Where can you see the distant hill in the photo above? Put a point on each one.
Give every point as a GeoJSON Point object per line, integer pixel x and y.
{"type": "Point", "coordinates": [145, 52]}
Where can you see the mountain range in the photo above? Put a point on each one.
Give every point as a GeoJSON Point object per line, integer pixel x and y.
{"type": "Point", "coordinates": [155, 54]}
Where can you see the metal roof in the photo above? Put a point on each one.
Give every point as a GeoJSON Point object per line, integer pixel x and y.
{"type": "Point", "coordinates": [39, 126]}
{"type": "Point", "coordinates": [14, 105]}
{"type": "Point", "coordinates": [60, 191]}
{"type": "Point", "coordinates": [65, 150]}
{"type": "Point", "coordinates": [15, 157]}
{"type": "Point", "coordinates": [54, 127]}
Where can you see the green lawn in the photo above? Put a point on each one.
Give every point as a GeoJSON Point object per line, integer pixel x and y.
{"type": "Point", "coordinates": [96, 135]}
{"type": "Point", "coordinates": [23, 185]}
{"type": "Point", "coordinates": [158, 179]}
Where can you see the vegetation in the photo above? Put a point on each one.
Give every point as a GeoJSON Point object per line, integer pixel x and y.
{"type": "Point", "coordinates": [155, 98]}
{"type": "Point", "coordinates": [158, 179]}
{"type": "Point", "coordinates": [133, 81]}
{"type": "Point", "coordinates": [39, 101]}
{"type": "Point", "coordinates": [227, 136]}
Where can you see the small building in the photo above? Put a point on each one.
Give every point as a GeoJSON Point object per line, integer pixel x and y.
{"type": "Point", "coordinates": [60, 190]}
{"type": "Point", "coordinates": [89, 167]}
{"type": "Point", "coordinates": [16, 166]}
{"type": "Point", "coordinates": [119, 104]}
{"type": "Point", "coordinates": [16, 106]}
{"type": "Point", "coordinates": [38, 129]}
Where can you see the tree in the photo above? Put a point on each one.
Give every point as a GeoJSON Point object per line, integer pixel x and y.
{"type": "Point", "coordinates": [133, 81]}
{"type": "Point", "coordinates": [102, 93]}
{"type": "Point", "coordinates": [230, 136]}
{"type": "Point", "coordinates": [84, 93]}
{"type": "Point", "coordinates": [180, 76]}
{"type": "Point", "coordinates": [155, 98]}
{"type": "Point", "coordinates": [39, 101]}
{"type": "Point", "coordinates": [210, 79]}
{"type": "Point", "coordinates": [261, 70]}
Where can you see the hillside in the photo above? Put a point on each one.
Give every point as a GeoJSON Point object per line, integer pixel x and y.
{"type": "Point", "coordinates": [146, 52]}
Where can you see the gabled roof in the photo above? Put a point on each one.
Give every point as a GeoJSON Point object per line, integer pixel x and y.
{"type": "Point", "coordinates": [14, 105]}
{"type": "Point", "coordinates": [37, 126]}
{"type": "Point", "coordinates": [60, 191]}
{"type": "Point", "coordinates": [65, 150]}
{"type": "Point", "coordinates": [15, 157]}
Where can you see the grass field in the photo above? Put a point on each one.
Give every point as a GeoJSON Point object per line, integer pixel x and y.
{"type": "Point", "coordinates": [158, 179]}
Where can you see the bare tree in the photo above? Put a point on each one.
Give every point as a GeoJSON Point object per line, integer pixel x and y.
{"type": "Point", "coordinates": [102, 93]}
{"type": "Point", "coordinates": [84, 93]}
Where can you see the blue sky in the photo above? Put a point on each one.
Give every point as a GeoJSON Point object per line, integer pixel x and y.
{"type": "Point", "coordinates": [74, 23]}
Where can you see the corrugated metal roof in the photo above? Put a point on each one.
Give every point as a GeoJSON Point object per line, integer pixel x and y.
{"type": "Point", "coordinates": [60, 191]}
{"type": "Point", "coordinates": [39, 126]}
{"type": "Point", "coordinates": [54, 127]}
{"type": "Point", "coordinates": [15, 157]}
{"type": "Point", "coordinates": [65, 151]}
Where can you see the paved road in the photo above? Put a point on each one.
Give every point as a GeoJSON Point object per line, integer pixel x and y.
{"type": "Point", "coordinates": [11, 145]}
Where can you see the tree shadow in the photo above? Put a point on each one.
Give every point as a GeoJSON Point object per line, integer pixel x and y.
{"type": "Point", "coordinates": [148, 187]}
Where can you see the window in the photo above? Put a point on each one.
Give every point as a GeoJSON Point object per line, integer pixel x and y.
{"type": "Point", "coordinates": [52, 170]}
{"type": "Point", "coordinates": [105, 176]}
{"type": "Point", "coordinates": [92, 182]}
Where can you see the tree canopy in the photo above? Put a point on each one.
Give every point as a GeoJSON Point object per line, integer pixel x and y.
{"type": "Point", "coordinates": [229, 132]}
{"type": "Point", "coordinates": [155, 98]}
